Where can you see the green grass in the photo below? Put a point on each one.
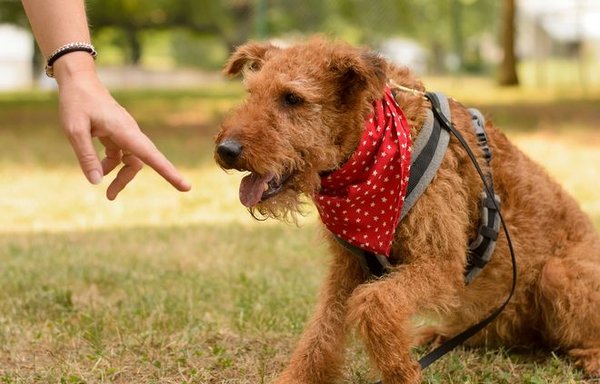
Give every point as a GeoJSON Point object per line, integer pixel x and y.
{"type": "Point", "coordinates": [165, 287]}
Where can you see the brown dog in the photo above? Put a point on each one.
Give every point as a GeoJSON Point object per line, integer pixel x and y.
{"type": "Point", "coordinates": [305, 117]}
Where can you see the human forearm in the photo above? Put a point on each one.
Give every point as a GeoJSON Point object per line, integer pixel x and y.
{"type": "Point", "coordinates": [57, 22]}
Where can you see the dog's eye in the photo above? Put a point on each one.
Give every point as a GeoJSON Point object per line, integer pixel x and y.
{"type": "Point", "coordinates": [292, 99]}
{"type": "Point", "coordinates": [252, 66]}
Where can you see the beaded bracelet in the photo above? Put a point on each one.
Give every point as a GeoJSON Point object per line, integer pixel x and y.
{"type": "Point", "coordinates": [68, 48]}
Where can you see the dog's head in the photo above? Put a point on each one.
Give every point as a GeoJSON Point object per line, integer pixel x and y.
{"type": "Point", "coordinates": [303, 117]}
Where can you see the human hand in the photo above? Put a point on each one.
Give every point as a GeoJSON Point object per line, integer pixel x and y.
{"type": "Point", "coordinates": [87, 110]}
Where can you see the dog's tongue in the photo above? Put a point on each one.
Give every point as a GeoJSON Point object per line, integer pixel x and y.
{"type": "Point", "coordinates": [252, 187]}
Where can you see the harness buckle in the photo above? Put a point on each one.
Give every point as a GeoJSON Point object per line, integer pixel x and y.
{"type": "Point", "coordinates": [482, 248]}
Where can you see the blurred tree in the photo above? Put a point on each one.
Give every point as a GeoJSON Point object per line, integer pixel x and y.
{"type": "Point", "coordinates": [11, 11]}
{"type": "Point", "coordinates": [235, 21]}
{"type": "Point", "coordinates": [440, 25]}
{"type": "Point", "coordinates": [135, 16]}
{"type": "Point", "coordinates": [289, 16]}
{"type": "Point", "coordinates": [229, 19]}
{"type": "Point", "coordinates": [458, 43]}
{"type": "Point", "coordinates": [437, 23]}
{"type": "Point", "coordinates": [508, 67]}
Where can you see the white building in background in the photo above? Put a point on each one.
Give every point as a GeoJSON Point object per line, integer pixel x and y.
{"type": "Point", "coordinates": [551, 27]}
{"type": "Point", "coordinates": [405, 52]}
{"type": "Point", "coordinates": [16, 57]}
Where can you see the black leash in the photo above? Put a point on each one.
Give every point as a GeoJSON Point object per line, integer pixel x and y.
{"type": "Point", "coordinates": [449, 345]}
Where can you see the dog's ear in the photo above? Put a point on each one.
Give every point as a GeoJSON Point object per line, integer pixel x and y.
{"type": "Point", "coordinates": [250, 56]}
{"type": "Point", "coordinates": [359, 75]}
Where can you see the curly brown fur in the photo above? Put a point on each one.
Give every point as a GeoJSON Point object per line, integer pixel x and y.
{"type": "Point", "coordinates": [304, 116]}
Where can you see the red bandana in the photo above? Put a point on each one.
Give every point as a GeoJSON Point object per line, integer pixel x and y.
{"type": "Point", "coordinates": [361, 201]}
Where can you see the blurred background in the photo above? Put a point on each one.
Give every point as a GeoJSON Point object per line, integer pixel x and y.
{"type": "Point", "coordinates": [167, 287]}
{"type": "Point", "coordinates": [528, 42]}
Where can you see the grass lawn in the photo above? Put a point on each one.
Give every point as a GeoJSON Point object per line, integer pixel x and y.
{"type": "Point", "coordinates": [168, 287]}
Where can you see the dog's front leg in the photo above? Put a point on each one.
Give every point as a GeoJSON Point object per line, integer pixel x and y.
{"type": "Point", "coordinates": [382, 311]}
{"type": "Point", "coordinates": [319, 355]}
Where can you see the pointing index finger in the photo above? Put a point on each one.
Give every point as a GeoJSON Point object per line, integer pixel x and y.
{"type": "Point", "coordinates": [144, 149]}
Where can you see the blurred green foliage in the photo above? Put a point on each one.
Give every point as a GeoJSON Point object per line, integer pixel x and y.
{"type": "Point", "coordinates": [202, 32]}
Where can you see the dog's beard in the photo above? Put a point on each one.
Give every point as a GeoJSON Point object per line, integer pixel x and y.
{"type": "Point", "coordinates": [291, 202]}
{"type": "Point", "coordinates": [286, 206]}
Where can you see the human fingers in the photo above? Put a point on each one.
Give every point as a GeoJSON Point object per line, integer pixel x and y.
{"type": "Point", "coordinates": [131, 167]}
{"type": "Point", "coordinates": [144, 149]}
{"type": "Point", "coordinates": [113, 155]}
{"type": "Point", "coordinates": [81, 141]}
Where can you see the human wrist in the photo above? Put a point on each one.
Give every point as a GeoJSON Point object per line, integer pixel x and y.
{"type": "Point", "coordinates": [76, 46]}
{"type": "Point", "coordinates": [74, 65]}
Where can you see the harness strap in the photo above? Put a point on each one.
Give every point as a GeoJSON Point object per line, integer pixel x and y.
{"type": "Point", "coordinates": [449, 345]}
{"type": "Point", "coordinates": [482, 248]}
{"type": "Point", "coordinates": [371, 263]}
{"type": "Point", "coordinates": [427, 155]}
{"type": "Point", "coordinates": [478, 122]}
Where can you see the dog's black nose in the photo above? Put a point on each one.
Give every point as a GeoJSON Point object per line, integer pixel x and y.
{"type": "Point", "coordinates": [229, 150]}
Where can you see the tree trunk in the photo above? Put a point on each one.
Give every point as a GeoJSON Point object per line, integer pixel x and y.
{"type": "Point", "coordinates": [457, 35]}
{"type": "Point", "coordinates": [135, 46]}
{"type": "Point", "coordinates": [508, 68]}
